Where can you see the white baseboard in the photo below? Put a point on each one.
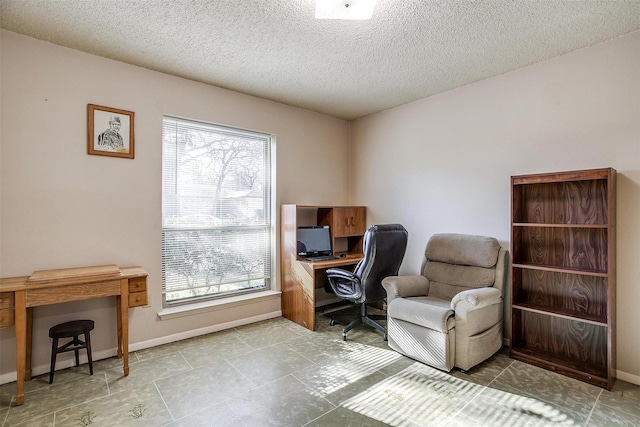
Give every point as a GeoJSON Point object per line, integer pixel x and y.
{"type": "Point", "coordinates": [630, 378]}
{"type": "Point", "coordinates": [202, 331]}
{"type": "Point", "coordinates": [107, 353]}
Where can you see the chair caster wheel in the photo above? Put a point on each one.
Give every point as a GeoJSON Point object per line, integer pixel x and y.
{"type": "Point", "coordinates": [344, 336]}
{"type": "Point", "coordinates": [332, 322]}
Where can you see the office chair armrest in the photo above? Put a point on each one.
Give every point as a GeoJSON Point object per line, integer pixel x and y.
{"type": "Point", "coordinates": [339, 273]}
{"type": "Point", "coordinates": [344, 283]}
{"type": "Point", "coordinates": [405, 286]}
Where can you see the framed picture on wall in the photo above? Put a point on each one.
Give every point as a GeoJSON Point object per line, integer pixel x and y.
{"type": "Point", "coordinates": [110, 132]}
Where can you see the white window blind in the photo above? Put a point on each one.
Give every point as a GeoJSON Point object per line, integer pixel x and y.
{"type": "Point", "coordinates": [216, 211]}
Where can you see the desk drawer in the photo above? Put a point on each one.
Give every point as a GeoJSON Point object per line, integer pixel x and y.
{"type": "Point", "coordinates": [7, 314]}
{"type": "Point", "coordinates": [138, 284]}
{"type": "Point", "coordinates": [137, 299]}
{"type": "Point", "coordinates": [54, 295]}
{"type": "Point", "coordinates": [7, 317]}
{"type": "Point", "coordinates": [6, 300]}
{"type": "Point", "coordinates": [137, 292]}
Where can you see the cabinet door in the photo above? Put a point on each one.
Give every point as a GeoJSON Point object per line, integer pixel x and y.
{"type": "Point", "coordinates": [357, 224]}
{"type": "Point", "coordinates": [340, 222]}
{"type": "Point", "coordinates": [348, 221]}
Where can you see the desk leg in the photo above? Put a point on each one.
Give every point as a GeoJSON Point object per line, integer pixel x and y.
{"type": "Point", "coordinates": [119, 323]}
{"type": "Point", "coordinates": [123, 329]}
{"type": "Point", "coordinates": [21, 343]}
{"type": "Point", "coordinates": [27, 372]}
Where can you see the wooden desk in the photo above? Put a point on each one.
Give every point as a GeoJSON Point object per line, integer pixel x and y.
{"type": "Point", "coordinates": [302, 279]}
{"type": "Point", "coordinates": [19, 295]}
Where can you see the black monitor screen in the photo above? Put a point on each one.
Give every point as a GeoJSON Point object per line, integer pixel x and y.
{"type": "Point", "coordinates": [314, 241]}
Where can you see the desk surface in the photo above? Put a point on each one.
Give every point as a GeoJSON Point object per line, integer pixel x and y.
{"type": "Point", "coordinates": [69, 276]}
{"type": "Point", "coordinates": [348, 260]}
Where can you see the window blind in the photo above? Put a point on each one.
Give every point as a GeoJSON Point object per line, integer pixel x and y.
{"type": "Point", "coordinates": [216, 210]}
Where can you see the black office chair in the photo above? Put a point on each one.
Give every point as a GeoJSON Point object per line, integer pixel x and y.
{"type": "Point", "coordinates": [383, 249]}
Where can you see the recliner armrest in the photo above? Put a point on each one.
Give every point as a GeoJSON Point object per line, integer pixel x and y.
{"type": "Point", "coordinates": [473, 299]}
{"type": "Point", "coordinates": [405, 286]}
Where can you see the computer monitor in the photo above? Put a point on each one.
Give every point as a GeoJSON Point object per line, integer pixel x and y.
{"type": "Point", "coordinates": [314, 241]}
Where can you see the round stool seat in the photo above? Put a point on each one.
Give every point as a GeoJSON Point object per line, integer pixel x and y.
{"type": "Point", "coordinates": [72, 329]}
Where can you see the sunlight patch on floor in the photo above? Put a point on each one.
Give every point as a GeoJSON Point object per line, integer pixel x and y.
{"type": "Point", "coordinates": [357, 362]}
{"type": "Point", "coordinates": [421, 395]}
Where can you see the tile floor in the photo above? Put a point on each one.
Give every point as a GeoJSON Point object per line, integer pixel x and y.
{"type": "Point", "coordinates": [276, 373]}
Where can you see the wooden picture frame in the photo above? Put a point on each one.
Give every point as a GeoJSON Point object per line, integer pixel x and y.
{"type": "Point", "coordinates": [110, 132]}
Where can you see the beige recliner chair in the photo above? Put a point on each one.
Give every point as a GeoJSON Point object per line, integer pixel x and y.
{"type": "Point", "coordinates": [452, 314]}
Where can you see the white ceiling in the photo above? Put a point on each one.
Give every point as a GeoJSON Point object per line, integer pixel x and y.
{"type": "Point", "coordinates": [276, 49]}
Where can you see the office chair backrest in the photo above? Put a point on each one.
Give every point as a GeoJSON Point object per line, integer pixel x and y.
{"type": "Point", "coordinates": [383, 250]}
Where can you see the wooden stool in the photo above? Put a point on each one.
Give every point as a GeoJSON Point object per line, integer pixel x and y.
{"type": "Point", "coordinates": [68, 330]}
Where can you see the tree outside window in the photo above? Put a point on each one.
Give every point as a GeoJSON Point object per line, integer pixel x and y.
{"type": "Point", "coordinates": [216, 211]}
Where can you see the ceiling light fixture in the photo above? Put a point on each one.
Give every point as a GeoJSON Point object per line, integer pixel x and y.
{"type": "Point", "coordinates": [344, 9]}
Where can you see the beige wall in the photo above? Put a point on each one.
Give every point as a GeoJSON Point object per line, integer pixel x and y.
{"type": "Point", "coordinates": [443, 164]}
{"type": "Point", "coordinates": [63, 208]}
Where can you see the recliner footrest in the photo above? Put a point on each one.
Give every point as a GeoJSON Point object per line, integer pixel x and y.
{"type": "Point", "coordinates": [423, 314]}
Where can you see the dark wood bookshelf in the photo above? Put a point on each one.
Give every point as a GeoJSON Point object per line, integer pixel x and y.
{"type": "Point", "coordinates": [563, 273]}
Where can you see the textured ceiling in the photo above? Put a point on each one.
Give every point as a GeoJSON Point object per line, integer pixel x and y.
{"type": "Point", "coordinates": [276, 49]}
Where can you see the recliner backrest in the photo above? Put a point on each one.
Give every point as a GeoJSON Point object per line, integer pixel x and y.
{"type": "Point", "coordinates": [456, 262]}
{"type": "Point", "coordinates": [383, 250]}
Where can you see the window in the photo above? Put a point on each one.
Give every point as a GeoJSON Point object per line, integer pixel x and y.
{"type": "Point", "coordinates": [216, 211]}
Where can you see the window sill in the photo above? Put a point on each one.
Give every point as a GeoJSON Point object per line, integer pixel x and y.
{"type": "Point", "coordinates": [221, 304]}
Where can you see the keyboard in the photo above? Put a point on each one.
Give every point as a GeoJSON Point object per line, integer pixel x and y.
{"type": "Point", "coordinates": [321, 258]}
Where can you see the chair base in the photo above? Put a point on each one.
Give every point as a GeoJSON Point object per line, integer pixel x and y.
{"type": "Point", "coordinates": [363, 319]}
